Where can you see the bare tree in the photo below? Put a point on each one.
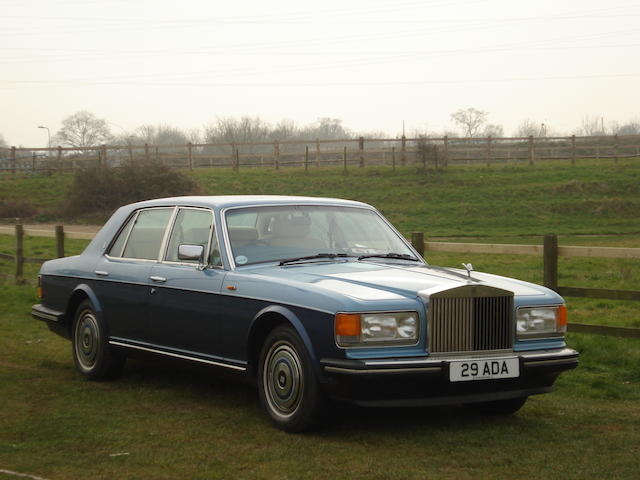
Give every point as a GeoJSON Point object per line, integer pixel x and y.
{"type": "Point", "coordinates": [329, 128]}
{"type": "Point", "coordinates": [470, 119]}
{"type": "Point", "coordinates": [592, 126]}
{"type": "Point", "coordinates": [232, 130]}
{"type": "Point", "coordinates": [83, 129]}
{"type": "Point", "coordinates": [527, 128]}
{"type": "Point", "coordinates": [493, 130]}
{"type": "Point", "coordinates": [632, 127]}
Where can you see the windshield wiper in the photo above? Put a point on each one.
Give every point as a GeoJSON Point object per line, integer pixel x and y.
{"type": "Point", "coordinates": [314, 257]}
{"type": "Point", "coordinates": [397, 256]}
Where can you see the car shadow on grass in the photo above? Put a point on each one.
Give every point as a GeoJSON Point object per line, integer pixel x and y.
{"type": "Point", "coordinates": [169, 380]}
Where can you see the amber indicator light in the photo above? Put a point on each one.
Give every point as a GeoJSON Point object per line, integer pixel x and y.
{"type": "Point", "coordinates": [348, 324]}
{"type": "Point", "coordinates": [562, 316]}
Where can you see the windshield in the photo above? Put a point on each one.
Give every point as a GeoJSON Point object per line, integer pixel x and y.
{"type": "Point", "coordinates": [274, 234]}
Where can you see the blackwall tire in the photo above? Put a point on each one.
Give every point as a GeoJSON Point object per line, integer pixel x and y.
{"type": "Point", "coordinates": [287, 384]}
{"type": "Point", "coordinates": [92, 355]}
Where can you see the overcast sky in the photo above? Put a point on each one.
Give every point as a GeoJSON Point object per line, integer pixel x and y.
{"type": "Point", "coordinates": [371, 63]}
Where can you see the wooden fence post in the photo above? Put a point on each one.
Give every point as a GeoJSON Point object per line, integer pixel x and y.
{"type": "Point", "coordinates": [60, 159]}
{"type": "Point", "coordinates": [13, 160]}
{"type": "Point", "coordinates": [146, 152]}
{"type": "Point", "coordinates": [276, 155]}
{"type": "Point", "coordinates": [550, 261]}
{"type": "Point", "coordinates": [190, 156]}
{"type": "Point", "coordinates": [236, 163]}
{"type": "Point", "coordinates": [403, 151]}
{"type": "Point", "coordinates": [33, 161]}
{"type": "Point", "coordinates": [446, 151]}
{"type": "Point", "coordinates": [393, 157]}
{"type": "Point", "coordinates": [615, 148]}
{"type": "Point", "coordinates": [530, 149]}
{"type": "Point", "coordinates": [489, 151]}
{"type": "Point", "coordinates": [104, 155]}
{"type": "Point", "coordinates": [19, 253]}
{"type": "Point", "coordinates": [306, 158]}
{"type": "Point", "coordinates": [573, 149]}
{"type": "Point", "coordinates": [344, 159]}
{"type": "Point", "coordinates": [59, 241]}
{"type": "Point", "coordinates": [417, 240]}
{"type": "Point", "coordinates": [317, 153]}
{"type": "Point", "coordinates": [361, 151]}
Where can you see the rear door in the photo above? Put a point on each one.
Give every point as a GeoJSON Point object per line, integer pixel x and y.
{"type": "Point", "coordinates": [122, 274]}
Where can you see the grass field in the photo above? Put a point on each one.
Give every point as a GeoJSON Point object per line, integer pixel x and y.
{"type": "Point", "coordinates": [167, 421]}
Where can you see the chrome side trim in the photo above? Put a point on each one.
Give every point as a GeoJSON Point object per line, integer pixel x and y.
{"type": "Point", "coordinates": [176, 355]}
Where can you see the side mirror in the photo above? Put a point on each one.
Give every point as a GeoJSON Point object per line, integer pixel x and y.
{"type": "Point", "coordinates": [191, 253]}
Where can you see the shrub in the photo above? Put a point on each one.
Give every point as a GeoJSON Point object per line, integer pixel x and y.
{"type": "Point", "coordinates": [17, 209]}
{"type": "Point", "coordinates": [101, 190]}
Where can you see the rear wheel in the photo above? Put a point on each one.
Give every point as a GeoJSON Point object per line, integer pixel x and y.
{"type": "Point", "coordinates": [499, 407]}
{"type": "Point", "coordinates": [287, 384]}
{"type": "Point", "coordinates": [92, 355]}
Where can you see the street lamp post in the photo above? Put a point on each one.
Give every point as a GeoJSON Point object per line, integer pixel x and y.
{"type": "Point", "coordinates": [48, 135]}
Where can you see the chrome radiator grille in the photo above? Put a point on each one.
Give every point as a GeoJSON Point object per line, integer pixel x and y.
{"type": "Point", "coordinates": [467, 324]}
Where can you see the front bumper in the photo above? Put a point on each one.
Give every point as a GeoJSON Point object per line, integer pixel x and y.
{"type": "Point", "coordinates": [425, 380]}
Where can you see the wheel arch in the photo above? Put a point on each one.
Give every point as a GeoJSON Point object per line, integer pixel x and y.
{"type": "Point", "coordinates": [80, 293]}
{"type": "Point", "coordinates": [263, 323]}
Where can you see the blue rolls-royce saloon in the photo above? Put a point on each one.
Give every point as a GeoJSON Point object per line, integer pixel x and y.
{"type": "Point", "coordinates": [313, 299]}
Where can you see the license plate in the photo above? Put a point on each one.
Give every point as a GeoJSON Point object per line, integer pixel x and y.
{"type": "Point", "coordinates": [483, 369]}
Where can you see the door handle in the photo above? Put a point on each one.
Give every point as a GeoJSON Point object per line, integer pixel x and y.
{"type": "Point", "coordinates": [101, 273]}
{"type": "Point", "coordinates": [157, 279]}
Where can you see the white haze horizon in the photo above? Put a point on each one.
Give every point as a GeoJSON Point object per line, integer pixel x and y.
{"type": "Point", "coordinates": [372, 64]}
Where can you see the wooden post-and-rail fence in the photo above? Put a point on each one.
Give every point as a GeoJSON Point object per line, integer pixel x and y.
{"type": "Point", "coordinates": [549, 250]}
{"type": "Point", "coordinates": [423, 152]}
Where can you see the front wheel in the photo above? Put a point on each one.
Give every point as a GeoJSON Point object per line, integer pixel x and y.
{"type": "Point", "coordinates": [287, 384]}
{"type": "Point", "coordinates": [91, 352]}
{"type": "Point", "coordinates": [499, 407]}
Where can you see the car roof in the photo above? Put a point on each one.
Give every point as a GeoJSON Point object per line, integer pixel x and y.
{"type": "Point", "coordinates": [227, 201]}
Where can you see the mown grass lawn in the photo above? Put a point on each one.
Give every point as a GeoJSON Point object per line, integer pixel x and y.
{"type": "Point", "coordinates": [171, 420]}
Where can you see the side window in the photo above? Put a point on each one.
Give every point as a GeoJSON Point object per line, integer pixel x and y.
{"type": "Point", "coordinates": [118, 245]}
{"type": "Point", "coordinates": [192, 227]}
{"type": "Point", "coordinates": [147, 234]}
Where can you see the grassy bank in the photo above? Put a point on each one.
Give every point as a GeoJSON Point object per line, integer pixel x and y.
{"type": "Point", "coordinates": [593, 197]}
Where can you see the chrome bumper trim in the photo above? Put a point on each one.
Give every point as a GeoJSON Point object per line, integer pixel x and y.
{"type": "Point", "coordinates": [381, 370]}
{"type": "Point", "coordinates": [43, 313]}
{"type": "Point", "coordinates": [563, 356]}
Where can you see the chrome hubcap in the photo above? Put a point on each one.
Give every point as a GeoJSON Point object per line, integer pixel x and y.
{"type": "Point", "coordinates": [282, 377]}
{"type": "Point", "coordinates": [87, 340]}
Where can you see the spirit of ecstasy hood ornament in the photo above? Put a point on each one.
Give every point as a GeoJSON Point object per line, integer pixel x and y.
{"type": "Point", "coordinates": [469, 268]}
